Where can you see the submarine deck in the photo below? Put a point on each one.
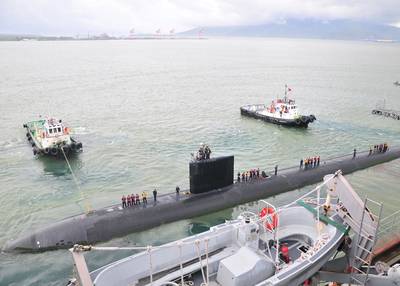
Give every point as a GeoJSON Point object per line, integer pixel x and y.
{"type": "Point", "coordinates": [170, 197]}
{"type": "Point", "coordinates": [114, 221]}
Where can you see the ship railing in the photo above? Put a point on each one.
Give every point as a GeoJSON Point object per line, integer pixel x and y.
{"type": "Point", "coordinates": [389, 225]}
{"type": "Point", "coordinates": [316, 196]}
{"type": "Point", "coordinates": [271, 220]}
{"type": "Point", "coordinates": [255, 107]}
{"type": "Point", "coordinates": [315, 202]}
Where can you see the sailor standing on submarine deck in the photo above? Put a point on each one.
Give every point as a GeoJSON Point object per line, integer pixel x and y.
{"type": "Point", "coordinates": [123, 201]}
{"type": "Point", "coordinates": [155, 195]}
{"type": "Point", "coordinates": [144, 197]}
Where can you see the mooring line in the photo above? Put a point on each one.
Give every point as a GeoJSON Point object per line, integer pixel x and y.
{"type": "Point", "coordinates": [87, 206]}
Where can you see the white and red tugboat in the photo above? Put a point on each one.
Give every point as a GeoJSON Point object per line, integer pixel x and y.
{"type": "Point", "coordinates": [282, 111]}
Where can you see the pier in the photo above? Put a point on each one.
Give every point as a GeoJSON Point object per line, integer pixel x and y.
{"type": "Point", "coordinates": [395, 114]}
{"type": "Point", "coordinates": [114, 221]}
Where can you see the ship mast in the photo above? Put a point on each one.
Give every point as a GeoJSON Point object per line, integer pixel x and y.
{"type": "Point", "coordinates": [285, 98]}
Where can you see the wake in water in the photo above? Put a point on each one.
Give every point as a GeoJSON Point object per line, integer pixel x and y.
{"type": "Point", "coordinates": [80, 130]}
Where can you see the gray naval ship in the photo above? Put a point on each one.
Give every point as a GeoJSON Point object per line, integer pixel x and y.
{"type": "Point", "coordinates": [276, 246]}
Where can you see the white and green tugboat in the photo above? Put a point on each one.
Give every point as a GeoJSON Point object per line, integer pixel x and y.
{"type": "Point", "coordinates": [51, 137]}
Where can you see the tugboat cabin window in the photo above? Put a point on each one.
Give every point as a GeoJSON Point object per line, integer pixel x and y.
{"type": "Point", "coordinates": [59, 129]}
{"type": "Point", "coordinates": [51, 130]}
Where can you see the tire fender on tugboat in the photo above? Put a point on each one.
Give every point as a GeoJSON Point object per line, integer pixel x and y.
{"type": "Point", "coordinates": [53, 151]}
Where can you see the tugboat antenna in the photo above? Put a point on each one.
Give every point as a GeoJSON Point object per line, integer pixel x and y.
{"type": "Point", "coordinates": [285, 99]}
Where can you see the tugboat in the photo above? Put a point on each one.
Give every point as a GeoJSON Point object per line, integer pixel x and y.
{"type": "Point", "coordinates": [283, 111]}
{"type": "Point", "coordinates": [51, 137]}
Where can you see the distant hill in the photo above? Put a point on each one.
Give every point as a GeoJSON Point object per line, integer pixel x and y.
{"type": "Point", "coordinates": [30, 37]}
{"type": "Point", "coordinates": [343, 29]}
{"type": "Point", "coordinates": [12, 37]}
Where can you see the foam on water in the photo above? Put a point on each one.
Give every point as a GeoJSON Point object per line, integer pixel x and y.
{"type": "Point", "coordinates": [80, 131]}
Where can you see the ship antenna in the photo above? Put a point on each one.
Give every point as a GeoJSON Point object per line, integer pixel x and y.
{"type": "Point", "coordinates": [285, 99]}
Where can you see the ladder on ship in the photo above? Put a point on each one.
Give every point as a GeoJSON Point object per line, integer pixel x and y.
{"type": "Point", "coordinates": [364, 241]}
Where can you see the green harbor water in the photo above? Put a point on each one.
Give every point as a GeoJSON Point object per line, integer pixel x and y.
{"type": "Point", "coordinates": [141, 107]}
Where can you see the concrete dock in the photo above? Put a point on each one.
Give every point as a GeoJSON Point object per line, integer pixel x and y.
{"type": "Point", "coordinates": [110, 222]}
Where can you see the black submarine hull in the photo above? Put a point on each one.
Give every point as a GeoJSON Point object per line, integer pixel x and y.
{"type": "Point", "coordinates": [105, 224]}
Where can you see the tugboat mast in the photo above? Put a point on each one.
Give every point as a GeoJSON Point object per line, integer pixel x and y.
{"type": "Point", "coordinates": [285, 98]}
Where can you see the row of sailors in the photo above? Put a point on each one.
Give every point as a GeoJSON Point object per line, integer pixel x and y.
{"type": "Point", "coordinates": [310, 162]}
{"type": "Point", "coordinates": [133, 200]}
{"type": "Point", "coordinates": [381, 148]}
{"type": "Point", "coordinates": [250, 175]}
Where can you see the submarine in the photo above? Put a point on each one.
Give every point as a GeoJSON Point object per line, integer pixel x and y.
{"type": "Point", "coordinates": [212, 188]}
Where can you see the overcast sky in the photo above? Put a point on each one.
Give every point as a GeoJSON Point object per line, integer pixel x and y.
{"type": "Point", "coordinates": [71, 17]}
